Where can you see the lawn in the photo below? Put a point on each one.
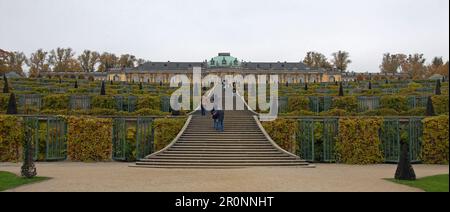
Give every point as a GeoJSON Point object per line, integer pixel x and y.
{"type": "Point", "coordinates": [9, 180]}
{"type": "Point", "coordinates": [438, 183]}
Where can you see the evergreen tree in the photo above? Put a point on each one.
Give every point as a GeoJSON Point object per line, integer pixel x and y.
{"type": "Point", "coordinates": [404, 170]}
{"type": "Point", "coordinates": [370, 85]}
{"type": "Point", "coordinates": [140, 86]}
{"type": "Point", "coordinates": [160, 83]}
{"type": "Point", "coordinates": [102, 90]}
{"type": "Point", "coordinates": [5, 86]}
{"type": "Point", "coordinates": [76, 84]}
{"type": "Point", "coordinates": [60, 81]}
{"type": "Point", "coordinates": [111, 82]}
{"type": "Point", "coordinates": [28, 169]}
{"type": "Point", "coordinates": [341, 90]}
{"type": "Point", "coordinates": [438, 88]}
{"type": "Point", "coordinates": [12, 105]}
{"type": "Point", "coordinates": [306, 86]}
{"type": "Point", "coordinates": [430, 107]}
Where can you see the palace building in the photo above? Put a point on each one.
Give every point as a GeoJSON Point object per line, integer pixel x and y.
{"type": "Point", "coordinates": [221, 65]}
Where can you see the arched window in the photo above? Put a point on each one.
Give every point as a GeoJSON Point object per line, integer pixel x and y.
{"type": "Point", "coordinates": [224, 62]}
{"type": "Point", "coordinates": [212, 62]}
{"type": "Point", "coordinates": [235, 62]}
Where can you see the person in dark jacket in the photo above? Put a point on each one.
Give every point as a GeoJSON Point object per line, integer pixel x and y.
{"type": "Point", "coordinates": [220, 118]}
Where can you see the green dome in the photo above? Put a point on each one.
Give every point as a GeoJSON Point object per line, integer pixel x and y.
{"type": "Point", "coordinates": [224, 60]}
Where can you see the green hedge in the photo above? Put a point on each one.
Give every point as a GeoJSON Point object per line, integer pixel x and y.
{"type": "Point", "coordinates": [282, 131]}
{"type": "Point", "coordinates": [166, 130]}
{"type": "Point", "coordinates": [4, 98]}
{"type": "Point", "coordinates": [104, 102]}
{"type": "Point", "coordinates": [149, 102]}
{"type": "Point", "coordinates": [55, 102]}
{"type": "Point", "coordinates": [435, 140]}
{"type": "Point", "coordinates": [89, 139]}
{"type": "Point", "coordinates": [358, 141]}
{"type": "Point", "coordinates": [347, 103]}
{"type": "Point", "coordinates": [296, 103]}
{"type": "Point", "coordinates": [395, 102]}
{"type": "Point", "coordinates": [11, 136]}
{"type": "Point", "coordinates": [440, 104]}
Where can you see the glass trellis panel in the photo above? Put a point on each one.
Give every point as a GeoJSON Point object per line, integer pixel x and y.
{"type": "Point", "coordinates": [330, 132]}
{"type": "Point", "coordinates": [165, 104]}
{"type": "Point", "coordinates": [417, 101]}
{"type": "Point", "coordinates": [30, 101]}
{"type": "Point", "coordinates": [126, 103]}
{"type": "Point", "coordinates": [119, 139]}
{"type": "Point", "coordinates": [80, 102]}
{"type": "Point", "coordinates": [305, 139]}
{"type": "Point", "coordinates": [319, 104]}
{"type": "Point", "coordinates": [390, 138]}
{"type": "Point", "coordinates": [327, 100]}
{"type": "Point", "coordinates": [282, 104]}
{"type": "Point", "coordinates": [56, 139]}
{"type": "Point", "coordinates": [144, 137]}
{"type": "Point", "coordinates": [368, 103]}
{"type": "Point", "coordinates": [414, 139]}
{"type": "Point", "coordinates": [31, 129]}
{"type": "Point", "coordinates": [314, 104]}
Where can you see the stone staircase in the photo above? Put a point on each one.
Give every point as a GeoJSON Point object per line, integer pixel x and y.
{"type": "Point", "coordinates": [242, 144]}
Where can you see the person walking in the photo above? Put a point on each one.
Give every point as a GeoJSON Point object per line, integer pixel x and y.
{"type": "Point", "coordinates": [215, 116]}
{"type": "Point", "coordinates": [204, 100]}
{"type": "Point", "coordinates": [220, 119]}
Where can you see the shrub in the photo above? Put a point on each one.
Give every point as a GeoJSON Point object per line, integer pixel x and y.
{"type": "Point", "coordinates": [420, 111]}
{"type": "Point", "coordinates": [282, 131]}
{"type": "Point", "coordinates": [55, 102]}
{"type": "Point", "coordinates": [300, 113]}
{"type": "Point", "coordinates": [11, 137]}
{"type": "Point", "coordinates": [149, 112]}
{"type": "Point", "coordinates": [435, 140]}
{"type": "Point", "coordinates": [334, 112]}
{"type": "Point", "coordinates": [89, 139]}
{"type": "Point", "coordinates": [381, 112]}
{"type": "Point", "coordinates": [3, 102]}
{"type": "Point", "coordinates": [358, 141]}
{"type": "Point", "coordinates": [440, 104]}
{"type": "Point", "coordinates": [104, 102]}
{"type": "Point", "coordinates": [149, 102]}
{"type": "Point", "coordinates": [347, 103]}
{"type": "Point", "coordinates": [166, 130]}
{"type": "Point", "coordinates": [396, 102]}
{"type": "Point", "coordinates": [296, 103]}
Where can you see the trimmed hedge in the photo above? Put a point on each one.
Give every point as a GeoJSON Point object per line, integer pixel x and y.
{"type": "Point", "coordinates": [358, 141]}
{"type": "Point", "coordinates": [89, 139]}
{"type": "Point", "coordinates": [296, 103]}
{"type": "Point", "coordinates": [435, 140]}
{"type": "Point", "coordinates": [395, 102]}
{"type": "Point", "coordinates": [55, 102]}
{"type": "Point", "coordinates": [347, 103]}
{"type": "Point", "coordinates": [166, 130]}
{"type": "Point", "coordinates": [4, 98]}
{"type": "Point", "coordinates": [148, 102]}
{"type": "Point", "coordinates": [440, 104]}
{"type": "Point", "coordinates": [104, 102]}
{"type": "Point", "coordinates": [11, 137]}
{"type": "Point", "coordinates": [283, 131]}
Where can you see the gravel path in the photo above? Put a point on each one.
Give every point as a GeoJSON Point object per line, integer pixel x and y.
{"type": "Point", "coordinates": [113, 176]}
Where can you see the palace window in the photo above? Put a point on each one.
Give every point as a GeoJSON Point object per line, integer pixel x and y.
{"type": "Point", "coordinates": [224, 62]}
{"type": "Point", "coordinates": [212, 62]}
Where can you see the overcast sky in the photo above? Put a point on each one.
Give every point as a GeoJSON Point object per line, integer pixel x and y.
{"type": "Point", "coordinates": [252, 30]}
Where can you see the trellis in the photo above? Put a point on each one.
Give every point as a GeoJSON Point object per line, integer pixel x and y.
{"type": "Point", "coordinates": [417, 101]}
{"type": "Point", "coordinates": [308, 142]}
{"type": "Point", "coordinates": [368, 103]}
{"type": "Point", "coordinates": [165, 104]}
{"type": "Point", "coordinates": [30, 101]}
{"type": "Point", "coordinates": [82, 102]}
{"type": "Point", "coordinates": [394, 131]}
{"type": "Point", "coordinates": [122, 149]}
{"type": "Point", "coordinates": [126, 103]}
{"type": "Point", "coordinates": [319, 104]}
{"type": "Point", "coordinates": [50, 133]}
{"type": "Point", "coordinates": [283, 104]}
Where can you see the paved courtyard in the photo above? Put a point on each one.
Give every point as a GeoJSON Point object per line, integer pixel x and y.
{"type": "Point", "coordinates": [113, 176]}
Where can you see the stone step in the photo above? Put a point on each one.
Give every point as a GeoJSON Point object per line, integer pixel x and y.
{"type": "Point", "coordinates": [219, 160]}
{"type": "Point", "coordinates": [222, 164]}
